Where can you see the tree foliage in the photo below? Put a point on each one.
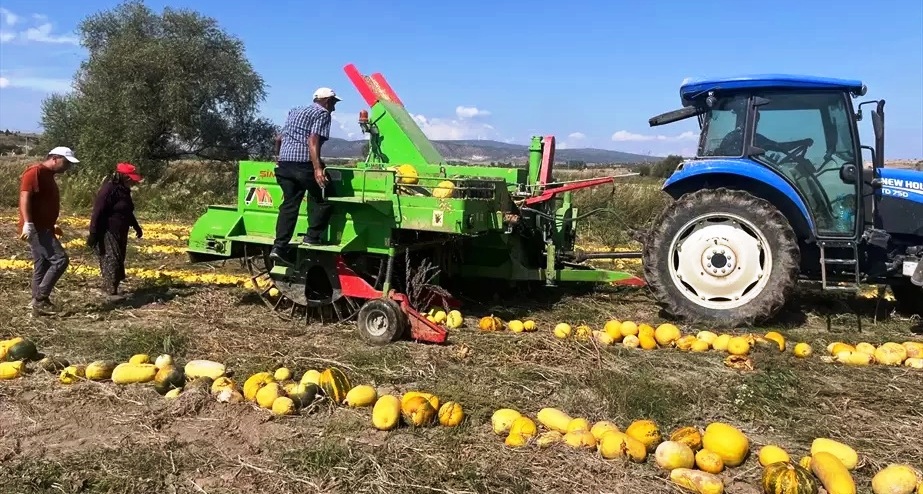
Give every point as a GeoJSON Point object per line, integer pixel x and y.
{"type": "Point", "coordinates": [663, 168]}
{"type": "Point", "coordinates": [159, 87]}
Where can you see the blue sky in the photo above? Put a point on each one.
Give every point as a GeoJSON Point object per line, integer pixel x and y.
{"type": "Point", "coordinates": [589, 72]}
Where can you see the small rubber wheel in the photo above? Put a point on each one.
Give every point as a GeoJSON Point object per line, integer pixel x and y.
{"type": "Point", "coordinates": [909, 299]}
{"type": "Point", "coordinates": [723, 257]}
{"type": "Point", "coordinates": [381, 322]}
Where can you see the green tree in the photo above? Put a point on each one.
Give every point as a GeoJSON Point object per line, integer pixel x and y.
{"type": "Point", "coordinates": [665, 167]}
{"type": "Point", "coordinates": [159, 87]}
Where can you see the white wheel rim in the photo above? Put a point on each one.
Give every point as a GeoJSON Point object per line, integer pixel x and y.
{"type": "Point", "coordinates": [720, 261]}
{"type": "Point", "coordinates": [377, 324]}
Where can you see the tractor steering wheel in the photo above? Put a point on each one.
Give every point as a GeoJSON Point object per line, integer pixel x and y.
{"type": "Point", "coordinates": [797, 153]}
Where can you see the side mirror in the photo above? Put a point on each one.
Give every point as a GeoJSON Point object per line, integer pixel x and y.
{"type": "Point", "coordinates": [848, 173]}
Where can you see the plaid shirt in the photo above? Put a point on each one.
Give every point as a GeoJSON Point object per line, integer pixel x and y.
{"type": "Point", "coordinates": [302, 122]}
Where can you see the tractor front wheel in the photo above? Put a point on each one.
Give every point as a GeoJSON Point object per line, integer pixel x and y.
{"type": "Point", "coordinates": [381, 321]}
{"type": "Point", "coordinates": [723, 257]}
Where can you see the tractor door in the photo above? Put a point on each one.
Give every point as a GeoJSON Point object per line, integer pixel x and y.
{"type": "Point", "coordinates": [808, 138]}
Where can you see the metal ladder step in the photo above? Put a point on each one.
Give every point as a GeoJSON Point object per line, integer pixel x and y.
{"type": "Point", "coordinates": [852, 286]}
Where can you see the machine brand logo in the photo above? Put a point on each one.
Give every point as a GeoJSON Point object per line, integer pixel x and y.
{"type": "Point", "coordinates": [903, 184]}
{"type": "Point", "coordinates": [267, 174]}
{"type": "Point", "coordinates": [438, 218]}
{"type": "Point", "coordinates": [261, 195]}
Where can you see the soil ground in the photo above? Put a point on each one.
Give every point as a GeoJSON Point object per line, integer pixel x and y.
{"type": "Point", "coordinates": [99, 437]}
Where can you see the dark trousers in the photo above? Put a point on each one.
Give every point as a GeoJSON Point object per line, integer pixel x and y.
{"type": "Point", "coordinates": [49, 262]}
{"type": "Point", "coordinates": [295, 179]}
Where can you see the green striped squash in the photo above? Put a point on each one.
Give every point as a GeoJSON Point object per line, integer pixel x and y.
{"type": "Point", "coordinates": [334, 383]}
{"type": "Point", "coordinates": [788, 478]}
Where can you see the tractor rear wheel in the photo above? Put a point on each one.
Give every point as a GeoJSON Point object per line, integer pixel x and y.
{"type": "Point", "coordinates": [381, 321]}
{"type": "Point", "coordinates": [723, 257]}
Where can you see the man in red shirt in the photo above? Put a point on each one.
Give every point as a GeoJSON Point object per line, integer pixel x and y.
{"type": "Point", "coordinates": [39, 207]}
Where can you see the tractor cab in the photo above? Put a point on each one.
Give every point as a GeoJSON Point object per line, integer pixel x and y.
{"type": "Point", "coordinates": [802, 130]}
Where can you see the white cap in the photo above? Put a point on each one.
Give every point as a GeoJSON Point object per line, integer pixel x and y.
{"type": "Point", "coordinates": [66, 152]}
{"type": "Point", "coordinates": [326, 92]}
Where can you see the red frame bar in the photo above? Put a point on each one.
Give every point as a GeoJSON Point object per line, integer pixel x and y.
{"type": "Point", "coordinates": [386, 88]}
{"type": "Point", "coordinates": [549, 193]}
{"type": "Point", "coordinates": [544, 173]}
{"type": "Point", "coordinates": [361, 84]}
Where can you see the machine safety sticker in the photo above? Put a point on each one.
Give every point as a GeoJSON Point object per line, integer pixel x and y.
{"type": "Point", "coordinates": [438, 217]}
{"type": "Point", "coordinates": [261, 195]}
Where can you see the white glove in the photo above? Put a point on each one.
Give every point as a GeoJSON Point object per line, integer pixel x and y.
{"type": "Point", "coordinates": [28, 231]}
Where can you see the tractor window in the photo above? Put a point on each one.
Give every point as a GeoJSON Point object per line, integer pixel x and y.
{"type": "Point", "coordinates": [807, 138]}
{"type": "Point", "coordinates": [722, 132]}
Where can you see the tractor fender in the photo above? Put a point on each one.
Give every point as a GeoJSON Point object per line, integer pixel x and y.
{"type": "Point", "coordinates": [743, 174]}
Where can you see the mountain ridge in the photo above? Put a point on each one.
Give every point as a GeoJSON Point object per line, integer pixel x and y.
{"type": "Point", "coordinates": [489, 150]}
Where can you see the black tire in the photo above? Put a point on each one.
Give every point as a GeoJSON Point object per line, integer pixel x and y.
{"type": "Point", "coordinates": [679, 217]}
{"type": "Point", "coordinates": [381, 321]}
{"type": "Point", "coordinates": [909, 299]}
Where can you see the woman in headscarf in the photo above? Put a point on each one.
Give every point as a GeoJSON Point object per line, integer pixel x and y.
{"type": "Point", "coordinates": [113, 214]}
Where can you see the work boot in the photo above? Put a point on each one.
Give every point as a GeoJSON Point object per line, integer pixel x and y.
{"type": "Point", "coordinates": [917, 277]}
{"type": "Point", "coordinates": [43, 308]}
{"type": "Point", "coordinates": [278, 257]}
{"type": "Point", "coordinates": [312, 241]}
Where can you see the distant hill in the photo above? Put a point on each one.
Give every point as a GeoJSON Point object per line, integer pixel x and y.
{"type": "Point", "coordinates": [463, 150]}
{"type": "Point", "coordinates": [485, 150]}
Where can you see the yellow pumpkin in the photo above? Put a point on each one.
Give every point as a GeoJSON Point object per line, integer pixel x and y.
{"type": "Point", "coordinates": [386, 413]}
{"type": "Point", "coordinates": [628, 328]}
{"type": "Point", "coordinates": [896, 479]}
{"type": "Point", "coordinates": [670, 455]}
{"type": "Point", "coordinates": [706, 336]}
{"type": "Point", "coordinates": [283, 405]}
{"type": "Point", "coordinates": [647, 341]}
{"type": "Point", "coordinates": [454, 319]}
{"type": "Point", "coordinates": [613, 329]}
{"type": "Point", "coordinates": [631, 341]}
{"type": "Point", "coordinates": [615, 444]}
{"type": "Point", "coordinates": [516, 326]}
{"type": "Point", "coordinates": [696, 481]}
{"type": "Point", "coordinates": [503, 419]}
{"type": "Point", "coordinates": [562, 330]}
{"type": "Point", "coordinates": [578, 424]}
{"type": "Point", "coordinates": [602, 427]}
{"type": "Point", "coordinates": [709, 461]}
{"type": "Point", "coordinates": [721, 342]}
{"type": "Point", "coordinates": [444, 189]}
{"type": "Point", "coordinates": [914, 349]}
{"type": "Point", "coordinates": [771, 453]}
{"type": "Point", "coordinates": [890, 354]}
{"type": "Point", "coordinates": [253, 384]}
{"type": "Point", "coordinates": [418, 411]}
{"type": "Point", "coordinates": [267, 394]}
{"type": "Point", "coordinates": [803, 350]}
{"type": "Point", "coordinates": [362, 395]}
{"type": "Point", "coordinates": [738, 345]}
{"type": "Point", "coordinates": [529, 326]}
{"type": "Point", "coordinates": [451, 414]}
{"type": "Point", "coordinates": [728, 442]}
{"type": "Point", "coordinates": [699, 346]}
{"type": "Point", "coordinates": [684, 343]}
{"type": "Point", "coordinates": [554, 419]}
{"type": "Point", "coordinates": [581, 439]}
{"type": "Point", "coordinates": [846, 454]}
{"type": "Point", "coordinates": [282, 374]}
{"type": "Point", "coordinates": [516, 440]}
{"type": "Point", "coordinates": [690, 436]}
{"type": "Point", "coordinates": [645, 431]}
{"type": "Point", "coordinates": [831, 472]}
{"type": "Point", "coordinates": [666, 334]}
{"type": "Point", "coordinates": [777, 338]}
{"type": "Point", "coordinates": [524, 426]}
{"type": "Point", "coordinates": [490, 323]}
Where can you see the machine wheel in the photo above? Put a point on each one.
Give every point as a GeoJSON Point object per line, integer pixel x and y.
{"type": "Point", "coordinates": [721, 256]}
{"type": "Point", "coordinates": [909, 299]}
{"type": "Point", "coordinates": [381, 321]}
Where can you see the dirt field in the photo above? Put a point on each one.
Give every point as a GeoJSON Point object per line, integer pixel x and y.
{"type": "Point", "coordinates": [98, 437]}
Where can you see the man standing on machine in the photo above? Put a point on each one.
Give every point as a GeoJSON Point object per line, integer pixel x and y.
{"type": "Point", "coordinates": [299, 169]}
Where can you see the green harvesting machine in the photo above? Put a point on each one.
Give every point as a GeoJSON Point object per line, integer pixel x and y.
{"type": "Point", "coordinates": [405, 225]}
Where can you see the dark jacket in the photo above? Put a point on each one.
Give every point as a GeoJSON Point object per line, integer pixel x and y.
{"type": "Point", "coordinates": [113, 211]}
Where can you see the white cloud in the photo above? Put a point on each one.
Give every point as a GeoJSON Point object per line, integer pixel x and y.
{"type": "Point", "coordinates": [9, 18]}
{"type": "Point", "coordinates": [42, 34]}
{"type": "Point", "coordinates": [470, 112]}
{"type": "Point", "coordinates": [346, 127]}
{"type": "Point", "coordinates": [626, 136]}
{"type": "Point", "coordinates": [41, 84]}
{"type": "Point", "coordinates": [572, 140]}
{"type": "Point", "coordinates": [454, 129]}
{"type": "Point", "coordinates": [6, 36]}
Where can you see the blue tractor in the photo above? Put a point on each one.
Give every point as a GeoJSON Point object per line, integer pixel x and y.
{"type": "Point", "coordinates": [771, 198]}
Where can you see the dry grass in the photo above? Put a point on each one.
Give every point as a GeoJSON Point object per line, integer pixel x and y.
{"type": "Point", "coordinates": [102, 438]}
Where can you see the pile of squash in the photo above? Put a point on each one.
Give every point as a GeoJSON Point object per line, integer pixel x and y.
{"type": "Point", "coordinates": [415, 409]}
{"type": "Point", "coordinates": [908, 354]}
{"type": "Point", "coordinates": [492, 323]}
{"type": "Point", "coordinates": [451, 319]}
{"type": "Point", "coordinates": [694, 459]}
